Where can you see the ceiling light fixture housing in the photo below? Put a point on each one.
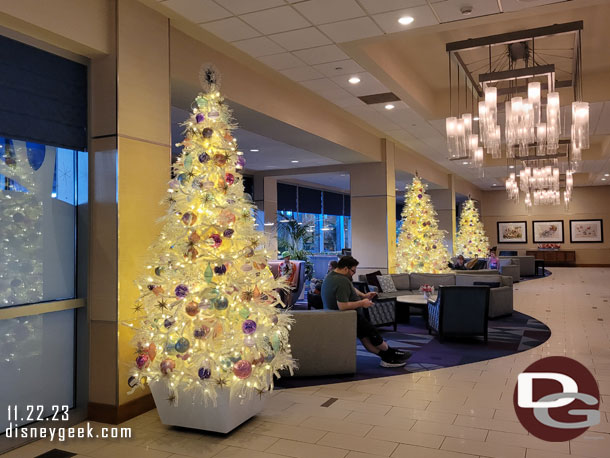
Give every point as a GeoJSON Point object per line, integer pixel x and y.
{"type": "Point", "coordinates": [406, 20]}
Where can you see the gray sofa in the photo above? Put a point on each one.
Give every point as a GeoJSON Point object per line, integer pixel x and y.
{"type": "Point", "coordinates": [323, 342]}
{"type": "Point", "coordinates": [527, 264]}
{"type": "Point", "coordinates": [500, 298]}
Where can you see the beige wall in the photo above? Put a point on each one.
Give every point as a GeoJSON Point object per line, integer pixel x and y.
{"type": "Point", "coordinates": [588, 203]}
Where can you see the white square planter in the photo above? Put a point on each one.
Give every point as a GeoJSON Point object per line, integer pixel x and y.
{"type": "Point", "coordinates": [191, 412]}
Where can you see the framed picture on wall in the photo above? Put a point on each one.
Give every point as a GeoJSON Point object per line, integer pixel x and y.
{"type": "Point", "coordinates": [512, 232]}
{"type": "Point", "coordinates": [586, 231]}
{"type": "Point", "coordinates": [547, 231]}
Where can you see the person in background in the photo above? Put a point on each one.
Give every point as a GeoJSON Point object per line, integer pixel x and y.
{"type": "Point", "coordinates": [338, 293]}
{"type": "Point", "coordinates": [332, 265]}
{"type": "Point", "coordinates": [492, 263]}
{"type": "Point", "coordinates": [287, 270]}
{"type": "Point", "coordinates": [459, 263]}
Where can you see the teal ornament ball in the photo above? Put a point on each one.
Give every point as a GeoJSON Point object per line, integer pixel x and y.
{"type": "Point", "coordinates": [158, 271]}
{"type": "Point", "coordinates": [220, 303]}
{"type": "Point", "coordinates": [182, 345]}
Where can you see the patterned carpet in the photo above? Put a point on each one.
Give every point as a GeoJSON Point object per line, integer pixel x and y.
{"type": "Point", "coordinates": [507, 335]}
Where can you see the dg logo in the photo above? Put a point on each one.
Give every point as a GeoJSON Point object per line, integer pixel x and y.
{"type": "Point", "coordinates": [557, 399]}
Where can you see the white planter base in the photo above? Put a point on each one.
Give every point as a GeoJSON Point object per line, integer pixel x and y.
{"type": "Point", "coordinates": [190, 411]}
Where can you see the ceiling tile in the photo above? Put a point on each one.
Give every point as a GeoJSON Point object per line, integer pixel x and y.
{"type": "Point", "coordinates": [276, 20]}
{"type": "Point", "coordinates": [381, 6]}
{"type": "Point", "coordinates": [247, 6]}
{"type": "Point", "coordinates": [322, 86]}
{"type": "Point", "coordinates": [260, 46]}
{"type": "Point", "coordinates": [300, 39]}
{"type": "Point", "coordinates": [321, 54]}
{"type": "Point", "coordinates": [323, 11]}
{"type": "Point", "coordinates": [603, 124]}
{"type": "Point", "coordinates": [342, 67]}
{"type": "Point", "coordinates": [514, 5]}
{"type": "Point", "coordinates": [231, 29]}
{"type": "Point", "coordinates": [281, 61]}
{"type": "Point", "coordinates": [198, 10]}
{"type": "Point", "coordinates": [352, 29]}
{"type": "Point", "coordinates": [368, 84]}
{"type": "Point", "coordinates": [423, 16]}
{"type": "Point", "coordinates": [449, 10]}
{"type": "Point", "coordinates": [301, 73]}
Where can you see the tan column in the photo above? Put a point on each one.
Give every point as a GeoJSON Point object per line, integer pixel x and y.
{"type": "Point", "coordinates": [444, 204]}
{"type": "Point", "coordinates": [130, 167]}
{"type": "Point", "coordinates": [373, 212]}
{"type": "Point", "coordinates": [265, 198]}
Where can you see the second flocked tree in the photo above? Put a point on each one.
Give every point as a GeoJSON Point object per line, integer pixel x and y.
{"type": "Point", "coordinates": [471, 240]}
{"type": "Point", "coordinates": [207, 308]}
{"type": "Point", "coordinates": [420, 246]}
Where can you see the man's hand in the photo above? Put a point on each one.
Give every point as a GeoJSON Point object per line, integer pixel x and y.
{"type": "Point", "coordinates": [370, 295]}
{"type": "Point", "coordinates": [366, 303]}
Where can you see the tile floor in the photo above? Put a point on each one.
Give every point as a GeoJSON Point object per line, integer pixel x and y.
{"type": "Point", "coordinates": [458, 412]}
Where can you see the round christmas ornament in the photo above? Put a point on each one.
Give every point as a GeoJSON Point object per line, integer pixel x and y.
{"type": "Point", "coordinates": [142, 361]}
{"type": "Point", "coordinates": [203, 158]}
{"type": "Point", "coordinates": [220, 303]}
{"type": "Point", "coordinates": [249, 341]}
{"type": "Point", "coordinates": [182, 345]}
{"type": "Point", "coordinates": [248, 326]}
{"type": "Point", "coordinates": [204, 373]}
{"type": "Point", "coordinates": [274, 319]}
{"type": "Point", "coordinates": [158, 271]}
{"type": "Point", "coordinates": [158, 290]}
{"type": "Point", "coordinates": [242, 369]}
{"type": "Point", "coordinates": [189, 218]}
{"type": "Point", "coordinates": [229, 178]}
{"type": "Point", "coordinates": [220, 160]}
{"type": "Point", "coordinates": [228, 233]}
{"type": "Point", "coordinates": [220, 270]}
{"type": "Point", "coordinates": [181, 291]}
{"type": "Point", "coordinates": [174, 184]}
{"type": "Point", "coordinates": [244, 313]}
{"type": "Point", "coordinates": [199, 118]}
{"type": "Point", "coordinates": [168, 323]}
{"type": "Point", "coordinates": [167, 365]}
{"type": "Point", "coordinates": [201, 101]}
{"type": "Point", "coordinates": [213, 115]}
{"type": "Point", "coordinates": [201, 332]}
{"type": "Point", "coordinates": [192, 308]}
{"type": "Point", "coordinates": [241, 161]}
{"type": "Point", "coordinates": [215, 240]}
{"type": "Point", "coordinates": [207, 132]}
{"type": "Point", "coordinates": [194, 237]}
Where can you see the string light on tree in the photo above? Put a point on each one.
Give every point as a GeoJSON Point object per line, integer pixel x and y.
{"type": "Point", "coordinates": [471, 240]}
{"type": "Point", "coordinates": [206, 317]}
{"type": "Point", "coordinates": [421, 246]}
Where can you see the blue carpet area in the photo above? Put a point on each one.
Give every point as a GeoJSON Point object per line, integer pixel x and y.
{"type": "Point", "coordinates": [507, 335]}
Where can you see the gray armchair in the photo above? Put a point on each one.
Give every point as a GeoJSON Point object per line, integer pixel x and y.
{"type": "Point", "coordinates": [459, 311]}
{"type": "Point", "coordinates": [323, 342]}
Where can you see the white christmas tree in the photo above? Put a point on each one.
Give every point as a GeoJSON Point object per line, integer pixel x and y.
{"type": "Point", "coordinates": [471, 240]}
{"type": "Point", "coordinates": [207, 311]}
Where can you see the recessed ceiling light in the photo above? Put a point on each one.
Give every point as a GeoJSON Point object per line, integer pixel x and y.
{"type": "Point", "coordinates": [465, 163]}
{"type": "Point", "coordinates": [511, 166]}
{"type": "Point", "coordinates": [254, 150]}
{"type": "Point", "coordinates": [294, 162]}
{"type": "Point", "coordinates": [476, 118]}
{"type": "Point", "coordinates": [354, 80]}
{"type": "Point", "coordinates": [607, 174]}
{"type": "Point", "coordinates": [405, 20]}
{"type": "Point", "coordinates": [494, 184]}
{"type": "Point", "coordinates": [389, 106]}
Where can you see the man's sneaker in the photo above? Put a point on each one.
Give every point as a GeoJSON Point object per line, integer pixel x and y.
{"type": "Point", "coordinates": [393, 358]}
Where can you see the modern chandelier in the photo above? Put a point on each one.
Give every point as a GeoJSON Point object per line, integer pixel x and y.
{"type": "Point", "coordinates": [518, 108]}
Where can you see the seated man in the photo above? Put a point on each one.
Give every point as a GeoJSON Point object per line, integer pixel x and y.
{"type": "Point", "coordinates": [338, 293]}
{"type": "Point", "coordinates": [459, 263]}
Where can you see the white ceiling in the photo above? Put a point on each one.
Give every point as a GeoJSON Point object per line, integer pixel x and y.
{"type": "Point", "coordinates": [299, 39]}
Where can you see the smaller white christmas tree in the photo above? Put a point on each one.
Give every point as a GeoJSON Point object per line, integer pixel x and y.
{"type": "Point", "coordinates": [471, 240]}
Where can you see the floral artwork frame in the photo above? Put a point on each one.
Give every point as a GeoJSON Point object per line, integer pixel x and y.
{"type": "Point", "coordinates": [586, 231]}
{"type": "Point", "coordinates": [548, 231]}
{"type": "Point", "coordinates": [512, 231]}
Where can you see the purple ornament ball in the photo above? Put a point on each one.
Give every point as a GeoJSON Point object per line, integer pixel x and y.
{"type": "Point", "coordinates": [242, 369]}
{"type": "Point", "coordinates": [248, 327]}
{"type": "Point", "coordinates": [203, 158]}
{"type": "Point", "coordinates": [181, 291]}
{"type": "Point", "coordinates": [228, 233]}
{"type": "Point", "coordinates": [199, 117]}
{"type": "Point", "coordinates": [204, 373]}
